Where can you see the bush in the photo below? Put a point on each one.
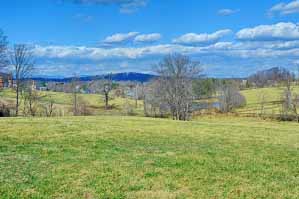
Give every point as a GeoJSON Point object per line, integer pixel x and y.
{"type": "Point", "coordinates": [4, 111]}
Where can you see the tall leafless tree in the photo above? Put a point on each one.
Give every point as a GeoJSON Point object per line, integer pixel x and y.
{"type": "Point", "coordinates": [3, 50]}
{"type": "Point", "coordinates": [154, 103]}
{"type": "Point", "coordinates": [230, 98]}
{"type": "Point", "coordinates": [49, 107]}
{"type": "Point", "coordinates": [295, 106]}
{"type": "Point", "coordinates": [22, 60]}
{"type": "Point", "coordinates": [107, 88]}
{"type": "Point", "coordinates": [4, 111]}
{"type": "Point", "coordinates": [75, 89]}
{"type": "Point", "coordinates": [262, 102]}
{"type": "Point", "coordinates": [136, 94]}
{"type": "Point", "coordinates": [176, 72]}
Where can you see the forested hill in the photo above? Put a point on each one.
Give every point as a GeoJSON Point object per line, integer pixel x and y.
{"type": "Point", "coordinates": [139, 77]}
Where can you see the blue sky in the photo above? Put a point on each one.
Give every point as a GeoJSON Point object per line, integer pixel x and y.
{"type": "Point", "coordinates": [89, 37]}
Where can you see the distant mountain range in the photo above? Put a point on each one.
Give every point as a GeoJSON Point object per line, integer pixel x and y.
{"type": "Point", "coordinates": [131, 76]}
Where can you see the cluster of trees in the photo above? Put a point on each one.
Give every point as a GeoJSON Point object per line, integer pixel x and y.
{"type": "Point", "coordinates": [179, 86]}
{"type": "Point", "coordinates": [271, 77]}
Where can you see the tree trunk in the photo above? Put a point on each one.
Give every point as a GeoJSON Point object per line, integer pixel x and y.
{"type": "Point", "coordinates": [106, 101]}
{"type": "Point", "coordinates": [17, 99]}
{"type": "Point", "coordinates": [144, 107]}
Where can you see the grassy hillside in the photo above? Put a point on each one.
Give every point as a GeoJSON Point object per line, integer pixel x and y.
{"type": "Point", "coordinates": [131, 157]}
{"type": "Point", "coordinates": [63, 102]}
{"type": "Point", "coordinates": [272, 100]}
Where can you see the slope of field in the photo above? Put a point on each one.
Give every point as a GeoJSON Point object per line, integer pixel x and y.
{"type": "Point", "coordinates": [63, 102]}
{"type": "Point", "coordinates": [134, 157]}
{"type": "Point", "coordinates": [270, 97]}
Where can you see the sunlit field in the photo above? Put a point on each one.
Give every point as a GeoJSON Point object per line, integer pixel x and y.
{"type": "Point", "coordinates": [135, 157]}
{"type": "Point", "coordinates": [95, 102]}
{"type": "Point", "coordinates": [63, 102]}
{"type": "Point", "coordinates": [270, 97]}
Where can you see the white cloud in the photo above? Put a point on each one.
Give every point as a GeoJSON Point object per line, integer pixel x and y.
{"type": "Point", "coordinates": [64, 52]}
{"type": "Point", "coordinates": [266, 44]}
{"type": "Point", "coordinates": [279, 31]}
{"type": "Point", "coordinates": [120, 38]}
{"type": "Point", "coordinates": [237, 49]}
{"type": "Point", "coordinates": [148, 37]}
{"type": "Point", "coordinates": [200, 39]}
{"type": "Point", "coordinates": [285, 8]}
{"type": "Point", "coordinates": [62, 60]}
{"type": "Point", "coordinates": [227, 12]}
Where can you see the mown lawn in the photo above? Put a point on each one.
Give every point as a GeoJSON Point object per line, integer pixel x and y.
{"type": "Point", "coordinates": [132, 157]}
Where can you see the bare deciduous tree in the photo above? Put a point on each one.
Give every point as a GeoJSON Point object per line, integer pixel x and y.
{"type": "Point", "coordinates": [230, 98]}
{"type": "Point", "coordinates": [154, 103]}
{"type": "Point", "coordinates": [176, 73]}
{"type": "Point", "coordinates": [107, 87]}
{"type": "Point", "coordinates": [262, 99]}
{"type": "Point", "coordinates": [49, 107]}
{"type": "Point", "coordinates": [31, 99]}
{"type": "Point", "coordinates": [290, 102]}
{"type": "Point", "coordinates": [295, 106]}
{"type": "Point", "coordinates": [22, 61]}
{"type": "Point", "coordinates": [3, 50]}
{"type": "Point", "coordinates": [136, 94]}
{"type": "Point", "coordinates": [75, 89]}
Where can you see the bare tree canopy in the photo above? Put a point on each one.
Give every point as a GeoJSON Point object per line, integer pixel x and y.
{"type": "Point", "coordinates": [176, 73]}
{"type": "Point", "coordinates": [3, 50]}
{"type": "Point", "coordinates": [230, 98]}
{"type": "Point", "coordinates": [22, 61]}
{"type": "Point", "coordinates": [107, 88]}
{"type": "Point", "coordinates": [270, 77]}
{"type": "Point", "coordinates": [178, 66]}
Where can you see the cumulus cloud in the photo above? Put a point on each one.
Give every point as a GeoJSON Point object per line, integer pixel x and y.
{"type": "Point", "coordinates": [120, 38]}
{"type": "Point", "coordinates": [95, 60]}
{"type": "Point", "coordinates": [82, 52]}
{"type": "Point", "coordinates": [148, 37]}
{"type": "Point", "coordinates": [278, 43]}
{"type": "Point", "coordinates": [139, 59]}
{"type": "Point", "coordinates": [285, 8]}
{"type": "Point", "coordinates": [279, 31]}
{"type": "Point", "coordinates": [126, 6]}
{"type": "Point", "coordinates": [201, 39]}
{"type": "Point", "coordinates": [232, 49]}
{"type": "Point", "coordinates": [227, 12]}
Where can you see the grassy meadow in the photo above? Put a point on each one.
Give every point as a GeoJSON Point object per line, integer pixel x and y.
{"type": "Point", "coordinates": [95, 102]}
{"type": "Point", "coordinates": [134, 157]}
{"type": "Point", "coordinates": [63, 102]}
{"type": "Point", "coordinates": [271, 97]}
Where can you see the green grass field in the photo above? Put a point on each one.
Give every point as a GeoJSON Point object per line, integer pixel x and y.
{"type": "Point", "coordinates": [272, 100]}
{"type": "Point", "coordinates": [63, 102]}
{"type": "Point", "coordinates": [135, 157]}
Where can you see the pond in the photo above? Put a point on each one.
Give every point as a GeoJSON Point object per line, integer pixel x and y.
{"type": "Point", "coordinates": [196, 106]}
